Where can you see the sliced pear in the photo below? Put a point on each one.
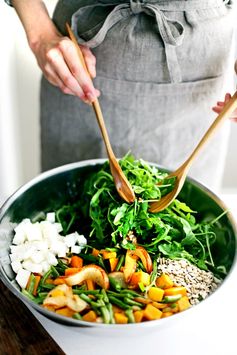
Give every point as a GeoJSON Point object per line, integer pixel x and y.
{"type": "Point", "coordinates": [89, 272]}
{"type": "Point", "coordinates": [130, 265]}
{"type": "Point", "coordinates": [142, 254]}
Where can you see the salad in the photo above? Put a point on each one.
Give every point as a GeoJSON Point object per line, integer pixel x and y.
{"type": "Point", "coordinates": [99, 259]}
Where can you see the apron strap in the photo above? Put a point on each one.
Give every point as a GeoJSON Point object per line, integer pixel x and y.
{"type": "Point", "coordinates": [171, 31]}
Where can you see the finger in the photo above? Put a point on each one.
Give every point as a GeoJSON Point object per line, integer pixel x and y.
{"type": "Point", "coordinates": [217, 109]}
{"type": "Point", "coordinates": [58, 65]}
{"type": "Point", "coordinates": [54, 79]}
{"type": "Point", "coordinates": [227, 97]}
{"type": "Point", "coordinates": [75, 66]}
{"type": "Point", "coordinates": [90, 60]}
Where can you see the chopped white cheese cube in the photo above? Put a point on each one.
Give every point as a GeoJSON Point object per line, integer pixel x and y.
{"type": "Point", "coordinates": [41, 245]}
{"type": "Point", "coordinates": [51, 259]}
{"type": "Point", "coordinates": [50, 217]}
{"type": "Point", "coordinates": [71, 239]}
{"type": "Point", "coordinates": [22, 277]}
{"type": "Point", "coordinates": [19, 237]}
{"type": "Point", "coordinates": [59, 227]}
{"type": "Point", "coordinates": [81, 239]}
{"type": "Point", "coordinates": [21, 226]}
{"type": "Point", "coordinates": [30, 266]}
{"type": "Point", "coordinates": [45, 266]}
{"type": "Point", "coordinates": [16, 266]}
{"type": "Point", "coordinates": [49, 231]}
{"type": "Point", "coordinates": [37, 257]}
{"type": "Point", "coordinates": [76, 249]}
{"type": "Point", "coordinates": [33, 231]}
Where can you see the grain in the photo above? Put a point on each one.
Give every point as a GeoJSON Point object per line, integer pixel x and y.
{"type": "Point", "coordinates": [199, 283]}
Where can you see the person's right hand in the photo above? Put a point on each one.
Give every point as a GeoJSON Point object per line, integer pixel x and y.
{"type": "Point", "coordinates": [58, 59]}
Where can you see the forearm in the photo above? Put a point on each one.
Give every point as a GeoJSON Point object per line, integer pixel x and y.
{"type": "Point", "coordinates": [35, 20]}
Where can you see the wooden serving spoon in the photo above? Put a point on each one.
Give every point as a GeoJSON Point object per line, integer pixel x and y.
{"type": "Point", "coordinates": [182, 171]}
{"type": "Point", "coordinates": [121, 183]}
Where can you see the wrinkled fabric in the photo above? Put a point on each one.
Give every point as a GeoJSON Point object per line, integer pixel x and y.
{"type": "Point", "coordinates": [156, 103]}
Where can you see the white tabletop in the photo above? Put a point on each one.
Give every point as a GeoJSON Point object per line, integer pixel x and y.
{"type": "Point", "coordinates": [208, 330]}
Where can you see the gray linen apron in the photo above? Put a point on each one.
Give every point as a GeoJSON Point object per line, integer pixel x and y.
{"type": "Point", "coordinates": [160, 67]}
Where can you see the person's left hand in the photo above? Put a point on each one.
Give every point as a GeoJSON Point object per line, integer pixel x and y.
{"type": "Point", "coordinates": [220, 104]}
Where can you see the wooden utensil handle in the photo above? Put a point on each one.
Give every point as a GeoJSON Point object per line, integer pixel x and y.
{"type": "Point", "coordinates": [95, 104]}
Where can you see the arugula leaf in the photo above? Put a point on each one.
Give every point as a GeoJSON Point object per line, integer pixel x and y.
{"type": "Point", "coordinates": [173, 233]}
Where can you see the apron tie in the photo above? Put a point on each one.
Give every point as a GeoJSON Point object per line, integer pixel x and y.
{"type": "Point", "coordinates": [136, 6]}
{"type": "Point", "coordinates": [171, 31]}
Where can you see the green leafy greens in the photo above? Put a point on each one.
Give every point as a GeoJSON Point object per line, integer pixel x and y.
{"type": "Point", "coordinates": [174, 233]}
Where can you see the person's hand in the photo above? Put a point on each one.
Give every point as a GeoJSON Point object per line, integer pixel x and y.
{"type": "Point", "coordinates": [220, 104]}
{"type": "Point", "coordinates": [58, 59]}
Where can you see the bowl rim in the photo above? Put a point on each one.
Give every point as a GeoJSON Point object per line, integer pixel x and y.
{"type": "Point", "coordinates": [81, 323]}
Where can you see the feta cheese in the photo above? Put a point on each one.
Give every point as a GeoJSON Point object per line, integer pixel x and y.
{"type": "Point", "coordinates": [37, 256]}
{"type": "Point", "coordinates": [16, 266]}
{"type": "Point", "coordinates": [33, 231]}
{"type": "Point", "coordinates": [36, 246]}
{"type": "Point", "coordinates": [81, 239]}
{"type": "Point", "coordinates": [76, 249]}
{"type": "Point", "coordinates": [51, 259]}
{"type": "Point", "coordinates": [22, 277]}
{"type": "Point", "coordinates": [71, 239]}
{"type": "Point", "coordinates": [50, 217]}
{"type": "Point", "coordinates": [59, 227]}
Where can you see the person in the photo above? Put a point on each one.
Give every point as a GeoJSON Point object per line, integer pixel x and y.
{"type": "Point", "coordinates": [158, 67]}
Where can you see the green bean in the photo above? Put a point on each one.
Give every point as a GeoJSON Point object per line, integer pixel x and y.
{"type": "Point", "coordinates": [105, 296]}
{"type": "Point", "coordinates": [77, 316]}
{"type": "Point", "coordinates": [43, 295]}
{"type": "Point", "coordinates": [118, 302]}
{"type": "Point", "coordinates": [54, 272]}
{"type": "Point", "coordinates": [105, 314]}
{"type": "Point", "coordinates": [129, 314]}
{"type": "Point", "coordinates": [62, 265]}
{"type": "Point", "coordinates": [99, 303]}
{"type": "Point", "coordinates": [48, 286]}
{"type": "Point", "coordinates": [120, 262]}
{"type": "Point", "coordinates": [110, 309]}
{"type": "Point", "coordinates": [85, 298]}
{"type": "Point", "coordinates": [134, 293]}
{"type": "Point", "coordinates": [115, 284]}
{"type": "Point", "coordinates": [115, 294]}
{"type": "Point", "coordinates": [169, 299]}
{"type": "Point", "coordinates": [86, 292]}
{"type": "Point", "coordinates": [45, 277]}
{"type": "Point", "coordinates": [154, 271]}
{"type": "Point", "coordinates": [131, 302]}
{"type": "Point", "coordinates": [29, 295]}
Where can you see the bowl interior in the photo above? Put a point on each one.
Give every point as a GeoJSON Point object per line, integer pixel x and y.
{"type": "Point", "coordinates": [56, 187]}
